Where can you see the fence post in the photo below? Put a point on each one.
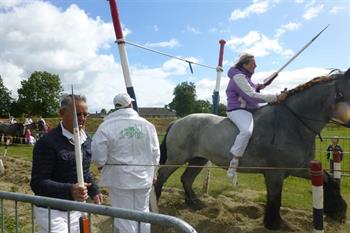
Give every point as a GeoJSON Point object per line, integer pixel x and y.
{"type": "Point", "coordinates": [316, 173]}
{"type": "Point", "coordinates": [336, 166]}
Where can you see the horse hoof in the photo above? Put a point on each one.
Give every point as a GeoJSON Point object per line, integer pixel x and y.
{"type": "Point", "coordinates": [280, 225]}
{"type": "Point", "coordinates": [195, 204]}
{"type": "Point", "coordinates": [285, 226]}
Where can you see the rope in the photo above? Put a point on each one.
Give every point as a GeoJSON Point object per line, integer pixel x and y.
{"type": "Point", "coordinates": [206, 166]}
{"type": "Point", "coordinates": [165, 54]}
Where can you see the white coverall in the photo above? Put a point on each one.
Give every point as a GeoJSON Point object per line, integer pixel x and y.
{"type": "Point", "coordinates": [122, 140]}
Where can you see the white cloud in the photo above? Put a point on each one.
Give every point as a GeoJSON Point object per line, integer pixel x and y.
{"type": "Point", "coordinates": [155, 28]}
{"type": "Point", "coordinates": [289, 79]}
{"type": "Point", "coordinates": [257, 44]}
{"type": "Point", "coordinates": [336, 9]}
{"type": "Point", "coordinates": [39, 36]}
{"type": "Point", "coordinates": [194, 30]}
{"type": "Point", "coordinates": [170, 44]}
{"type": "Point", "coordinates": [299, 1]}
{"type": "Point", "coordinates": [312, 11]}
{"type": "Point", "coordinates": [291, 26]}
{"type": "Point", "coordinates": [258, 7]}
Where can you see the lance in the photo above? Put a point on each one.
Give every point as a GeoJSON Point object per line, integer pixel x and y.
{"type": "Point", "coordinates": [269, 80]}
{"type": "Point", "coordinates": [84, 221]}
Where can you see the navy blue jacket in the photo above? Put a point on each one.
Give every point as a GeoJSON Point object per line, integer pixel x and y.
{"type": "Point", "coordinates": [54, 167]}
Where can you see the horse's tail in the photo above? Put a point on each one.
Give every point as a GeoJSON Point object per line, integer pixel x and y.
{"type": "Point", "coordinates": [163, 152]}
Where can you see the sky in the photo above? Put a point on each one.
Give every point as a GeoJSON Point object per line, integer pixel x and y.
{"type": "Point", "coordinates": [75, 39]}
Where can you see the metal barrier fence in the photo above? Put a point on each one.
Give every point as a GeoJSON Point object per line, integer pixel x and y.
{"type": "Point", "coordinates": [321, 152]}
{"type": "Point", "coordinates": [53, 203]}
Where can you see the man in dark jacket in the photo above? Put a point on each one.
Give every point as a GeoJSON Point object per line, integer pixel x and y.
{"type": "Point", "coordinates": [54, 168]}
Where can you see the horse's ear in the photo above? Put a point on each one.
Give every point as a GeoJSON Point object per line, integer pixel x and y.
{"type": "Point", "coordinates": [347, 73]}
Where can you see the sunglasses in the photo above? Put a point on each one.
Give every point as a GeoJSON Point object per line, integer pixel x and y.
{"type": "Point", "coordinates": [84, 114]}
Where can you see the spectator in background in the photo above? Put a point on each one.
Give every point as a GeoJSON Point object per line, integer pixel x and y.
{"type": "Point", "coordinates": [12, 120]}
{"type": "Point", "coordinates": [121, 146]}
{"type": "Point", "coordinates": [28, 120]}
{"type": "Point", "coordinates": [333, 148]}
{"type": "Point", "coordinates": [54, 168]}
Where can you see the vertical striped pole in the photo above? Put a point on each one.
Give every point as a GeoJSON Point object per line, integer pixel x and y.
{"type": "Point", "coordinates": [316, 173]}
{"type": "Point", "coordinates": [215, 107]}
{"type": "Point", "coordinates": [122, 51]}
{"type": "Point", "coordinates": [336, 166]}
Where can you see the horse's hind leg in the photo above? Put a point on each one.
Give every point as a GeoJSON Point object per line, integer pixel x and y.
{"type": "Point", "coordinates": [163, 175]}
{"type": "Point", "coordinates": [187, 180]}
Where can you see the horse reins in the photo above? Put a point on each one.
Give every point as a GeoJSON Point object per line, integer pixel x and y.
{"type": "Point", "coordinates": [300, 118]}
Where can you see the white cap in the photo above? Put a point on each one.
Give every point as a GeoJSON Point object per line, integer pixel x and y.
{"type": "Point", "coordinates": [122, 100]}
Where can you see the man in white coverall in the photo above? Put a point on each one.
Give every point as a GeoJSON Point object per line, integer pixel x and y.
{"type": "Point", "coordinates": [123, 140]}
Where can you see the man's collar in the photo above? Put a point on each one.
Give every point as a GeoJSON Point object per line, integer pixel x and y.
{"type": "Point", "coordinates": [70, 136]}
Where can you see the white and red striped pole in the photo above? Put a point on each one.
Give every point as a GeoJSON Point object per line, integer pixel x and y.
{"type": "Point", "coordinates": [316, 173]}
{"type": "Point", "coordinates": [122, 51]}
{"type": "Point", "coordinates": [336, 166]}
{"type": "Point", "coordinates": [215, 107]}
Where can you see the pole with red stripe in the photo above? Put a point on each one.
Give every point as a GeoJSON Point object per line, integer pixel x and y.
{"type": "Point", "coordinates": [122, 51]}
{"type": "Point", "coordinates": [215, 107]}
{"type": "Point", "coordinates": [316, 173]}
{"type": "Point", "coordinates": [336, 165]}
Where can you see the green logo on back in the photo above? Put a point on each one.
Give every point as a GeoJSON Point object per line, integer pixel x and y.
{"type": "Point", "coordinates": [132, 132]}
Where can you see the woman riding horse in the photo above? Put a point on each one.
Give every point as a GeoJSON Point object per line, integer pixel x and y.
{"type": "Point", "coordinates": [284, 137]}
{"type": "Point", "coordinates": [242, 99]}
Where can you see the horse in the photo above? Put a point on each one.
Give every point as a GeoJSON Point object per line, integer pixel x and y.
{"type": "Point", "coordinates": [16, 130]}
{"type": "Point", "coordinates": [283, 137]}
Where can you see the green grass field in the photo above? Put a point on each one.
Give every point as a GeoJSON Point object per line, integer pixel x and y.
{"type": "Point", "coordinates": [296, 191]}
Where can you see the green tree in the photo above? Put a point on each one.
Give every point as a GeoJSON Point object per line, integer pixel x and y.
{"type": "Point", "coordinates": [40, 94]}
{"type": "Point", "coordinates": [184, 100]}
{"type": "Point", "coordinates": [103, 112]}
{"type": "Point", "coordinates": [5, 99]}
{"type": "Point", "coordinates": [202, 106]}
{"type": "Point", "coordinates": [222, 110]}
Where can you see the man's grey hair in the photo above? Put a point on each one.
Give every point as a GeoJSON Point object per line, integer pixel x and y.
{"type": "Point", "coordinates": [67, 98]}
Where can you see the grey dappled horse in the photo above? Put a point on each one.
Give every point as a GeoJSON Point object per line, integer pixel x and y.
{"type": "Point", "coordinates": [284, 136]}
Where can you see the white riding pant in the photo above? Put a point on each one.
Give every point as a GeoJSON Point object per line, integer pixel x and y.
{"type": "Point", "coordinates": [59, 220]}
{"type": "Point", "coordinates": [245, 123]}
{"type": "Point", "coordinates": [136, 199]}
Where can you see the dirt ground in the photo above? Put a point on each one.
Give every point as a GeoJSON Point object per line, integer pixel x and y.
{"type": "Point", "coordinates": [236, 212]}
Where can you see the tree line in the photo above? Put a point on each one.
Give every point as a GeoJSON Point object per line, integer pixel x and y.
{"type": "Point", "coordinates": [40, 95]}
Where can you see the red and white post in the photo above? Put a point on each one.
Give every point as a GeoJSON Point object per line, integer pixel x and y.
{"type": "Point", "coordinates": [316, 173]}
{"type": "Point", "coordinates": [336, 166]}
{"type": "Point", "coordinates": [122, 51]}
{"type": "Point", "coordinates": [215, 107]}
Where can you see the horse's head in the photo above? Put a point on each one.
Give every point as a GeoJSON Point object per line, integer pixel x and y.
{"type": "Point", "coordinates": [334, 205]}
{"type": "Point", "coordinates": [341, 108]}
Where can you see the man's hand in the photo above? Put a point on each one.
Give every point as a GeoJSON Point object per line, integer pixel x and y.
{"type": "Point", "coordinates": [80, 193]}
{"type": "Point", "coordinates": [98, 199]}
{"type": "Point", "coordinates": [154, 180]}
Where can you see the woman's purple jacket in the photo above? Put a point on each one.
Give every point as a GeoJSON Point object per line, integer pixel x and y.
{"type": "Point", "coordinates": [237, 98]}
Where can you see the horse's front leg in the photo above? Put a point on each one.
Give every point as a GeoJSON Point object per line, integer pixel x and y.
{"type": "Point", "coordinates": [274, 183]}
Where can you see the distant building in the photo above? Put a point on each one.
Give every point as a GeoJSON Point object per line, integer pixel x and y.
{"type": "Point", "coordinates": [146, 112]}
{"type": "Point", "coordinates": [156, 112]}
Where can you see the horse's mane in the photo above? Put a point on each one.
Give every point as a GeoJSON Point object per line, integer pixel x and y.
{"type": "Point", "coordinates": [321, 79]}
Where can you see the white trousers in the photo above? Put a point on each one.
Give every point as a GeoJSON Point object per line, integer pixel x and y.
{"type": "Point", "coordinates": [59, 220]}
{"type": "Point", "coordinates": [245, 123]}
{"type": "Point", "coordinates": [136, 199]}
